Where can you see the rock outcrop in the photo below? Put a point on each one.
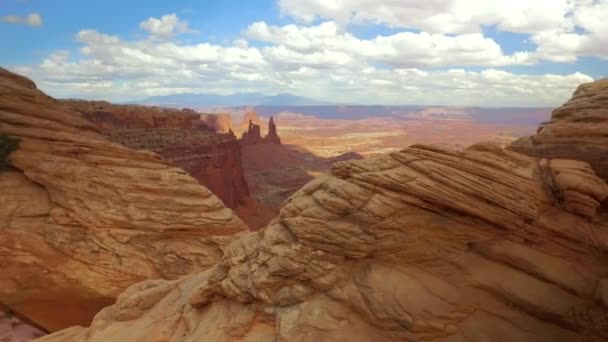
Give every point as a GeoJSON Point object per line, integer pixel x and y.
{"type": "Point", "coordinates": [426, 244]}
{"type": "Point", "coordinates": [213, 159]}
{"type": "Point", "coordinates": [253, 135]}
{"type": "Point", "coordinates": [577, 130]}
{"type": "Point", "coordinates": [272, 137]}
{"type": "Point", "coordinates": [108, 116]}
{"type": "Point", "coordinates": [82, 218]}
{"type": "Point", "coordinates": [189, 140]}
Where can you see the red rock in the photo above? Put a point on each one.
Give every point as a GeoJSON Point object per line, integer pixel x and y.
{"type": "Point", "coordinates": [272, 136]}
{"type": "Point", "coordinates": [215, 163]}
{"type": "Point", "coordinates": [107, 116]}
{"type": "Point", "coordinates": [252, 136]}
{"type": "Point", "coordinates": [183, 137]}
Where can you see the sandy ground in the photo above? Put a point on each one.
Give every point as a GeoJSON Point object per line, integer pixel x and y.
{"type": "Point", "coordinates": [329, 138]}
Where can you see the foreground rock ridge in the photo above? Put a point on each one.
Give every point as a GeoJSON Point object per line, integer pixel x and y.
{"type": "Point", "coordinates": [82, 218]}
{"type": "Point", "coordinates": [577, 130]}
{"type": "Point", "coordinates": [427, 244]}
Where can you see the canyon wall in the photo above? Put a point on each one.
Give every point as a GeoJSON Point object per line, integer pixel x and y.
{"type": "Point", "coordinates": [211, 158]}
{"type": "Point", "coordinates": [185, 138]}
{"type": "Point", "coordinates": [433, 244]}
{"type": "Point", "coordinates": [82, 218]}
{"type": "Point", "coordinates": [107, 116]}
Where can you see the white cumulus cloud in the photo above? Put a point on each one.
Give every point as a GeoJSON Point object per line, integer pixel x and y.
{"type": "Point", "coordinates": [165, 27]}
{"type": "Point", "coordinates": [562, 30]}
{"type": "Point", "coordinates": [327, 44]}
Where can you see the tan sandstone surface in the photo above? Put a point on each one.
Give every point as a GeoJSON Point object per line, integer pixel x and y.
{"type": "Point", "coordinates": [425, 244]}
{"type": "Point", "coordinates": [577, 130]}
{"type": "Point", "coordinates": [82, 218]}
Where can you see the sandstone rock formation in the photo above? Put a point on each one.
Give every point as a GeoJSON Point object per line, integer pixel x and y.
{"type": "Point", "coordinates": [213, 159]}
{"type": "Point", "coordinates": [272, 136]}
{"type": "Point", "coordinates": [577, 130]}
{"type": "Point", "coordinates": [82, 218]}
{"type": "Point", "coordinates": [425, 244]}
{"type": "Point", "coordinates": [188, 140]}
{"type": "Point", "coordinates": [107, 116]}
{"type": "Point", "coordinates": [253, 135]}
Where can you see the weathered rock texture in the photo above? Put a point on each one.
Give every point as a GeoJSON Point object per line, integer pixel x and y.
{"type": "Point", "coordinates": [213, 159]}
{"type": "Point", "coordinates": [577, 130]}
{"type": "Point", "coordinates": [185, 138]}
{"type": "Point", "coordinates": [426, 244]}
{"type": "Point", "coordinates": [190, 141]}
{"type": "Point", "coordinates": [82, 218]}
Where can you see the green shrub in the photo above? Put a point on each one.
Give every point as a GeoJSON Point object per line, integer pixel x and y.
{"type": "Point", "coordinates": [7, 145]}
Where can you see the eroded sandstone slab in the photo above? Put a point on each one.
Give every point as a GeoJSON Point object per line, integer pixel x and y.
{"type": "Point", "coordinates": [82, 218]}
{"type": "Point", "coordinates": [577, 130]}
{"type": "Point", "coordinates": [423, 244]}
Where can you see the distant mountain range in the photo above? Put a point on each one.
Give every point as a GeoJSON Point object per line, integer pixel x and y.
{"type": "Point", "coordinates": [238, 99]}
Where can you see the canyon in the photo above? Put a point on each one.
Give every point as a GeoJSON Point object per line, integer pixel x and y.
{"type": "Point", "coordinates": [501, 240]}
{"type": "Point", "coordinates": [192, 141]}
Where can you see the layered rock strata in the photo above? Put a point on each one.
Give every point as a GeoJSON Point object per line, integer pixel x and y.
{"type": "Point", "coordinates": [82, 218]}
{"type": "Point", "coordinates": [108, 116]}
{"type": "Point", "coordinates": [211, 158]}
{"type": "Point", "coordinates": [577, 130]}
{"type": "Point", "coordinates": [185, 138]}
{"type": "Point", "coordinates": [426, 244]}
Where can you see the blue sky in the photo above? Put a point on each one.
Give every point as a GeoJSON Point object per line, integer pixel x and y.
{"type": "Point", "coordinates": [446, 52]}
